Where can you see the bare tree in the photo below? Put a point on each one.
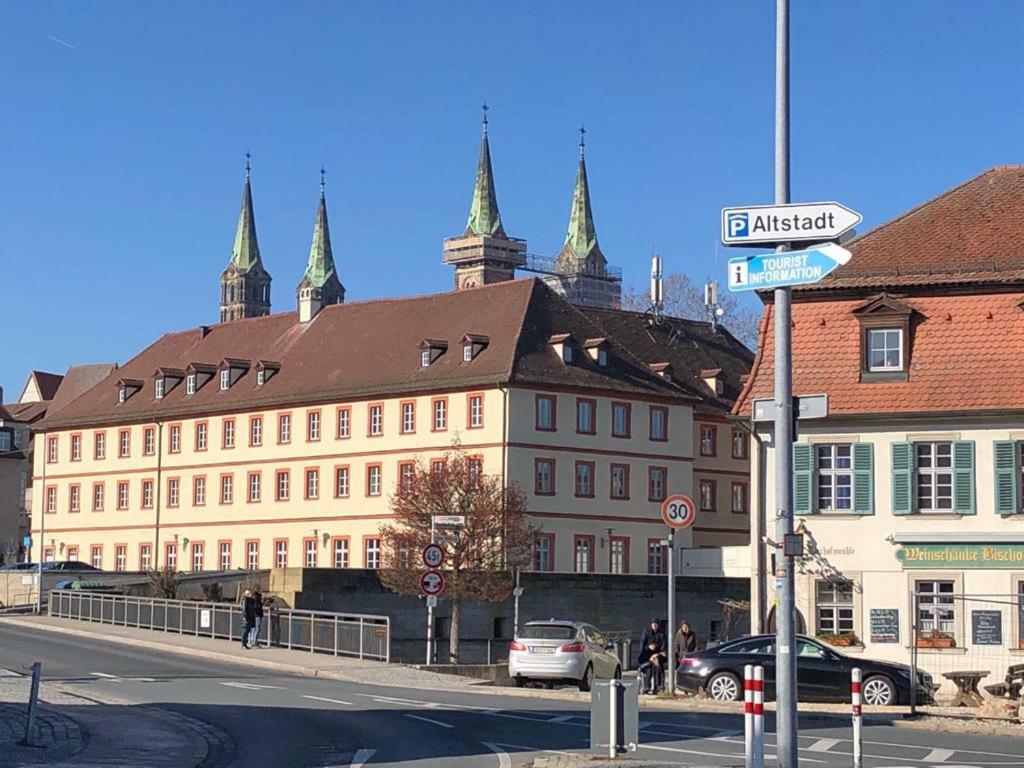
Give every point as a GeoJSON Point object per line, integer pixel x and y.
{"type": "Point", "coordinates": [480, 555]}
{"type": "Point", "coordinates": [164, 583]}
{"type": "Point", "coordinates": [684, 299]}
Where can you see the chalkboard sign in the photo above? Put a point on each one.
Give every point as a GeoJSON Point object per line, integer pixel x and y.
{"type": "Point", "coordinates": [885, 625]}
{"type": "Point", "coordinates": [987, 627]}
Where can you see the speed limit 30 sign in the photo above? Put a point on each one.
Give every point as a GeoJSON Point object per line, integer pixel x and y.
{"type": "Point", "coordinates": [678, 511]}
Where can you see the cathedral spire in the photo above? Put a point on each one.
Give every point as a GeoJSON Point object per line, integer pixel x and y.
{"type": "Point", "coordinates": [581, 237]}
{"type": "Point", "coordinates": [245, 284]}
{"type": "Point", "coordinates": [246, 251]}
{"type": "Point", "coordinates": [484, 218]}
{"type": "Point", "coordinates": [319, 285]}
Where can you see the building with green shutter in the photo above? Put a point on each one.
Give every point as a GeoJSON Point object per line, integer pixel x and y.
{"type": "Point", "coordinates": [910, 491]}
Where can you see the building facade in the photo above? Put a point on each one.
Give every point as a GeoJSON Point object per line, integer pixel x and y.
{"type": "Point", "coordinates": [910, 491]}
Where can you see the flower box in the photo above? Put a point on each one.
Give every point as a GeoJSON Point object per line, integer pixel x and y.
{"type": "Point", "coordinates": [844, 640]}
{"type": "Point", "coordinates": [935, 640]}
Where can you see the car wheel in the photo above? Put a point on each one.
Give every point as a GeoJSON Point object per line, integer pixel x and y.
{"type": "Point", "coordinates": [587, 681]}
{"type": "Point", "coordinates": [520, 682]}
{"type": "Point", "coordinates": [724, 686]}
{"type": "Point", "coordinates": [879, 691]}
{"type": "Point", "coordinates": [618, 673]}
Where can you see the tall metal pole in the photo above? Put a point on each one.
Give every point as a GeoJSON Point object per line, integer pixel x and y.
{"type": "Point", "coordinates": [42, 520]}
{"type": "Point", "coordinates": [785, 651]}
{"type": "Point", "coordinates": [670, 636]}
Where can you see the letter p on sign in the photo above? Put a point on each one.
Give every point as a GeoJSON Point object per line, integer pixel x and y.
{"type": "Point", "coordinates": [738, 224]}
{"type": "Point", "coordinates": [678, 511]}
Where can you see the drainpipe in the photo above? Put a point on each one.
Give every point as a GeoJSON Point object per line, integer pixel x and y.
{"type": "Point", "coordinates": [516, 590]}
{"type": "Point", "coordinates": [758, 613]}
{"type": "Point", "coordinates": [159, 487]}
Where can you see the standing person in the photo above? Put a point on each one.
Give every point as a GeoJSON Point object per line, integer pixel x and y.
{"type": "Point", "coordinates": [686, 641]}
{"type": "Point", "coordinates": [248, 616]}
{"type": "Point", "coordinates": [652, 656]}
{"type": "Point", "coordinates": [254, 639]}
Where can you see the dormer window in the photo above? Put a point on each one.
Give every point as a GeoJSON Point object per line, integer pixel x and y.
{"type": "Point", "coordinates": [713, 379]}
{"type": "Point", "coordinates": [121, 395]}
{"type": "Point", "coordinates": [225, 379]}
{"type": "Point", "coordinates": [561, 343]}
{"type": "Point", "coordinates": [597, 348]}
{"type": "Point", "coordinates": [231, 370]}
{"type": "Point", "coordinates": [602, 357]}
{"type": "Point", "coordinates": [473, 345]}
{"type": "Point", "coordinates": [196, 376]}
{"type": "Point", "coordinates": [467, 353]}
{"type": "Point", "coordinates": [664, 370]}
{"type": "Point", "coordinates": [885, 349]}
{"type": "Point", "coordinates": [265, 371]}
{"type": "Point", "coordinates": [158, 389]}
{"type": "Point", "coordinates": [885, 323]}
{"type": "Point", "coordinates": [261, 378]}
{"type": "Point", "coordinates": [430, 350]}
{"type": "Point", "coordinates": [190, 384]}
{"type": "Point", "coordinates": [566, 354]}
{"type": "Point", "coordinates": [425, 358]}
{"type": "Point", "coordinates": [126, 388]}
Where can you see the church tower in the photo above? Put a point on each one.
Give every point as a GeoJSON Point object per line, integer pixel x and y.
{"type": "Point", "coordinates": [484, 254]}
{"type": "Point", "coordinates": [319, 285]}
{"type": "Point", "coordinates": [245, 284]}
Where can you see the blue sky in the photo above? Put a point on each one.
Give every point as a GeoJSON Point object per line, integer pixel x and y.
{"type": "Point", "coordinates": [121, 157]}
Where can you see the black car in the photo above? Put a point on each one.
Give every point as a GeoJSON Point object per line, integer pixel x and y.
{"type": "Point", "coordinates": [822, 673]}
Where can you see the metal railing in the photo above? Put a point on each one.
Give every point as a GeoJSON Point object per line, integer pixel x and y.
{"type": "Point", "coordinates": [361, 636]}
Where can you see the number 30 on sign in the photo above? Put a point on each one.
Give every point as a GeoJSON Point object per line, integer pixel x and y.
{"type": "Point", "coordinates": [678, 511]}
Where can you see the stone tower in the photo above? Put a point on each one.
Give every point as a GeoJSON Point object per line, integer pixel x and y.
{"type": "Point", "coordinates": [484, 254]}
{"type": "Point", "coordinates": [245, 284]}
{"type": "Point", "coordinates": [319, 285]}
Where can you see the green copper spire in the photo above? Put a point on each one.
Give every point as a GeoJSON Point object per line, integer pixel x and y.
{"type": "Point", "coordinates": [582, 235]}
{"type": "Point", "coordinates": [320, 266]}
{"type": "Point", "coordinates": [484, 218]}
{"type": "Point", "coordinates": [246, 252]}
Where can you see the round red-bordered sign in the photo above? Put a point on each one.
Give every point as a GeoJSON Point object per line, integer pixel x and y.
{"type": "Point", "coordinates": [433, 556]}
{"type": "Point", "coordinates": [678, 511]}
{"type": "Point", "coordinates": [431, 582]}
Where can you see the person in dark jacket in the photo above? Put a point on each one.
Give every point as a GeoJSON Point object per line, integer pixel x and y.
{"type": "Point", "coordinates": [248, 616]}
{"type": "Point", "coordinates": [254, 637]}
{"type": "Point", "coordinates": [652, 656]}
{"type": "Point", "coordinates": [686, 641]}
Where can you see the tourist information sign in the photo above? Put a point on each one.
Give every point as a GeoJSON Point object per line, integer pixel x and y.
{"type": "Point", "coordinates": [776, 270]}
{"type": "Point", "coordinates": [779, 224]}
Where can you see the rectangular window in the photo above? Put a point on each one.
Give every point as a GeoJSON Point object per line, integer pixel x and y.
{"type": "Point", "coordinates": [255, 487]}
{"type": "Point", "coordinates": [95, 556]}
{"type": "Point", "coordinates": [145, 557]}
{"type": "Point", "coordinates": [739, 444]}
{"type": "Point", "coordinates": [476, 411]}
{"type": "Point", "coordinates": [173, 491]}
{"type": "Point", "coordinates": [252, 555]}
{"type": "Point", "coordinates": [373, 483]}
{"type": "Point", "coordinates": [228, 433]}
{"type": "Point", "coordinates": [225, 379]}
{"type": "Point", "coordinates": [545, 415]}
{"type": "Point", "coordinates": [834, 476]}
{"type": "Point", "coordinates": [708, 440]}
{"type": "Point", "coordinates": [406, 473]}
{"type": "Point", "coordinates": [312, 426]}
{"type": "Point", "coordinates": [281, 553]}
{"type": "Point", "coordinates": [659, 423]}
{"type": "Point", "coordinates": [657, 560]}
{"type": "Point", "coordinates": [585, 479]}
{"type": "Point", "coordinates": [619, 488]}
{"type": "Point", "coordinates": [75, 498]}
{"type": "Point", "coordinates": [439, 407]}
{"type": "Point", "coordinates": [197, 555]}
{"type": "Point", "coordinates": [312, 483]}
{"type": "Point", "coordinates": [544, 552]}
{"type": "Point", "coordinates": [282, 484]}
{"type": "Point", "coordinates": [227, 489]}
{"type": "Point", "coordinates": [344, 428]}
{"type": "Point", "coordinates": [341, 482]}
{"type": "Point", "coordinates": [122, 494]}
{"type": "Point", "coordinates": [425, 358]}
{"type": "Point", "coordinates": [657, 481]}
{"type": "Point", "coordinates": [202, 431]}
{"type": "Point", "coordinates": [225, 555]}
{"type": "Point", "coordinates": [51, 450]}
{"type": "Point", "coordinates": [544, 477]}
{"type": "Point", "coordinates": [99, 446]}
{"type": "Point", "coordinates": [885, 349]}
{"type": "Point", "coordinates": [147, 494]}
{"type": "Point", "coordinates": [739, 498]}
{"type": "Point", "coordinates": [618, 554]}
{"type": "Point", "coordinates": [834, 607]}
{"type": "Point", "coordinates": [934, 473]}
{"type": "Point", "coordinates": [621, 420]}
{"type": "Point", "coordinates": [437, 467]}
{"type": "Point", "coordinates": [158, 389]}
{"type": "Point", "coordinates": [375, 417]}
{"type": "Point", "coordinates": [475, 467]}
{"type": "Point", "coordinates": [586, 409]}
{"type": "Point", "coordinates": [371, 553]}
{"type": "Point", "coordinates": [408, 417]}
{"type": "Point", "coordinates": [97, 497]}
{"type": "Point", "coordinates": [51, 499]}
{"type": "Point", "coordinates": [171, 556]}
{"type": "Point", "coordinates": [148, 441]}
{"type": "Point", "coordinates": [256, 430]}
{"type": "Point", "coordinates": [310, 559]}
{"type": "Point", "coordinates": [936, 606]}
{"type": "Point", "coordinates": [174, 438]}
{"type": "Point", "coordinates": [121, 558]}
{"type": "Point", "coordinates": [708, 494]}
{"type": "Point", "coordinates": [5, 441]}
{"type": "Point", "coordinates": [284, 428]}
{"type": "Point", "coordinates": [339, 556]}
{"type": "Point", "coordinates": [72, 552]}
{"type": "Point", "coordinates": [583, 554]}
{"type": "Point", "coordinates": [190, 384]}
{"type": "Point", "coordinates": [124, 444]}
{"type": "Point", "coordinates": [76, 447]}
{"type": "Point", "coordinates": [198, 491]}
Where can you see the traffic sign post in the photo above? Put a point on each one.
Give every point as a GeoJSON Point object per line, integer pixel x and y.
{"type": "Point", "coordinates": [432, 582]}
{"type": "Point", "coordinates": [778, 270]}
{"type": "Point", "coordinates": [678, 512]}
{"type": "Point", "coordinates": [433, 556]}
{"type": "Point", "coordinates": [792, 223]}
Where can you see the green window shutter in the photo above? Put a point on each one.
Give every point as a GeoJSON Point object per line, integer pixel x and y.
{"type": "Point", "coordinates": [803, 476]}
{"type": "Point", "coordinates": [1006, 458]}
{"type": "Point", "coordinates": [902, 478]}
{"type": "Point", "coordinates": [963, 477]}
{"type": "Point", "coordinates": [863, 478]}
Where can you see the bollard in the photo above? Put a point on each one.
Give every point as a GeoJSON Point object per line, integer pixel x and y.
{"type": "Point", "coordinates": [855, 679]}
{"type": "Point", "coordinates": [748, 715]}
{"type": "Point", "coordinates": [30, 721]}
{"type": "Point", "coordinates": [613, 722]}
{"type": "Point", "coordinates": [758, 717]}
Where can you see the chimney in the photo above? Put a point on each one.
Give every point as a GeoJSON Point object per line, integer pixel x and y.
{"type": "Point", "coordinates": [310, 303]}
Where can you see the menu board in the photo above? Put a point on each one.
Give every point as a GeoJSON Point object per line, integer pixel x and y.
{"type": "Point", "coordinates": [987, 627]}
{"type": "Point", "coordinates": [885, 625]}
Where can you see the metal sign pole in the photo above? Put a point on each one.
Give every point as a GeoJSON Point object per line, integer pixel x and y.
{"type": "Point", "coordinates": [670, 630]}
{"type": "Point", "coordinates": [785, 613]}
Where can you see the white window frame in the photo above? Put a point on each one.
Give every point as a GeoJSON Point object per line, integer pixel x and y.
{"type": "Point", "coordinates": [408, 418]}
{"type": "Point", "coordinates": [376, 420]}
{"type": "Point", "coordinates": [283, 483]}
{"type": "Point", "coordinates": [225, 379]}
{"type": "Point", "coordinates": [175, 439]}
{"type": "Point", "coordinates": [373, 480]}
{"type": "Point", "coordinates": [255, 487]}
{"type": "Point", "coordinates": [930, 476]}
{"type": "Point", "coordinates": [618, 556]}
{"type": "Point", "coordinates": [198, 555]}
{"type": "Point", "coordinates": [371, 553]}
{"type": "Point", "coordinates": [886, 347]}
{"type": "Point", "coordinates": [340, 553]}
{"type": "Point", "coordinates": [309, 556]}
{"type": "Point", "coordinates": [313, 425]}
{"type": "Point", "coordinates": [256, 430]}
{"type": "Point", "coordinates": [476, 410]}
{"type": "Point", "coordinates": [225, 555]}
{"type": "Point", "coordinates": [312, 483]}
{"type": "Point", "coordinates": [199, 491]}
{"type": "Point", "coordinates": [229, 433]}
{"type": "Point", "coordinates": [281, 553]}
{"type": "Point", "coordinates": [252, 555]}
{"type": "Point", "coordinates": [190, 384]}
{"type": "Point", "coordinates": [440, 415]}
{"type": "Point", "coordinates": [941, 611]}
{"type": "Point", "coordinates": [158, 389]}
{"type": "Point", "coordinates": [542, 554]}
{"type": "Point", "coordinates": [342, 482]}
{"type": "Point", "coordinates": [424, 358]}
{"type": "Point", "coordinates": [284, 428]}
{"type": "Point", "coordinates": [829, 473]}
{"type": "Point", "coordinates": [583, 555]}
{"type": "Point", "coordinates": [173, 492]}
{"type": "Point", "coordinates": [202, 435]}
{"type": "Point", "coordinates": [121, 558]}
{"type": "Point", "coordinates": [831, 607]}
{"type": "Point", "coordinates": [227, 489]}
{"type": "Point", "coordinates": [655, 558]}
{"type": "Point", "coordinates": [148, 441]}
{"type": "Point", "coordinates": [145, 557]}
{"type": "Point", "coordinates": [467, 353]}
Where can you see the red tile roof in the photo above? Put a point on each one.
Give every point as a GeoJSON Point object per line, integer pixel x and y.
{"type": "Point", "coordinates": [47, 383]}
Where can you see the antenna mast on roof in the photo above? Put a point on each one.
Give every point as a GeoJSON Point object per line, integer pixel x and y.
{"type": "Point", "coordinates": [711, 303]}
{"type": "Point", "coordinates": [657, 289]}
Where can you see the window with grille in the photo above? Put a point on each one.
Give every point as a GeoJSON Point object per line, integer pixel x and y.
{"type": "Point", "coordinates": [197, 556]}
{"type": "Point", "coordinates": [75, 498]}
{"type": "Point", "coordinates": [252, 555]}
{"type": "Point", "coordinates": [406, 473]}
{"type": "Point", "coordinates": [621, 414]}
{"type": "Point", "coordinates": [619, 481]}
{"type": "Point", "coordinates": [146, 557]}
{"type": "Point", "coordinates": [934, 476]}
{"type": "Point", "coordinates": [707, 496]}
{"type": "Point", "coordinates": [408, 418]}
{"type": "Point", "coordinates": [659, 423]}
{"type": "Point", "coordinates": [281, 554]}
{"type": "Point", "coordinates": [199, 491]}
{"type": "Point", "coordinates": [99, 445]}
{"type": "Point", "coordinates": [708, 440]}
{"type": "Point", "coordinates": [256, 430]}
{"type": "Point", "coordinates": [284, 428]}
{"type": "Point", "coordinates": [76, 447]}
{"type": "Point", "coordinates": [313, 425]}
{"type": "Point", "coordinates": [476, 411]}
{"type": "Point", "coordinates": [171, 556]}
{"type": "Point", "coordinates": [311, 553]}
{"type": "Point", "coordinates": [282, 486]}
{"type": "Point", "coordinates": [341, 553]}
{"type": "Point", "coordinates": [372, 553]}
{"type": "Point", "coordinates": [147, 494]}
{"type": "Point", "coordinates": [121, 558]}
{"type": "Point", "coordinates": [376, 420]}
{"type": "Point", "coordinates": [344, 423]}
{"type": "Point", "coordinates": [373, 480]}
{"type": "Point", "coordinates": [739, 444]}
{"type": "Point", "coordinates": [440, 415]}
{"type": "Point", "coordinates": [124, 449]}
{"type": "Point", "coordinates": [583, 554]}
{"type": "Point", "coordinates": [656, 561]}
{"type": "Point", "coordinates": [227, 489]}
{"type": "Point", "coordinates": [543, 553]}
{"type": "Point", "coordinates": [656, 478]}
{"type": "Point", "coordinates": [173, 492]}
{"type": "Point", "coordinates": [96, 557]}
{"type": "Point", "coordinates": [585, 417]}
{"type": "Point", "coordinates": [51, 450]}
{"type": "Point", "coordinates": [618, 556]}
{"type": "Point", "coordinates": [149, 441]}
{"type": "Point", "coordinates": [544, 416]}
{"type": "Point", "coordinates": [341, 478]}
{"type": "Point", "coordinates": [834, 607]}
{"type": "Point", "coordinates": [834, 477]}
{"type": "Point", "coordinates": [544, 476]}
{"type": "Point", "coordinates": [174, 438]}
{"type": "Point", "coordinates": [255, 481]}
{"type": "Point", "coordinates": [936, 607]}
{"type": "Point", "coordinates": [885, 349]}
{"type": "Point", "coordinates": [312, 483]}
{"type": "Point", "coordinates": [739, 498]}
{"type": "Point", "coordinates": [225, 555]}
{"type": "Point", "coordinates": [584, 478]}
{"type": "Point", "coordinates": [202, 430]}
{"type": "Point", "coordinates": [97, 497]}
{"type": "Point", "coordinates": [122, 495]}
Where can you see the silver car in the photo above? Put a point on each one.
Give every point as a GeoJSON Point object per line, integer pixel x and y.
{"type": "Point", "coordinates": [569, 651]}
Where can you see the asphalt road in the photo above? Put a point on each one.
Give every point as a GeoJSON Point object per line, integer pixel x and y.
{"type": "Point", "coordinates": [284, 721]}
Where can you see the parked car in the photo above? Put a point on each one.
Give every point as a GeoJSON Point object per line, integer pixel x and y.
{"type": "Point", "coordinates": [562, 651]}
{"type": "Point", "coordinates": [823, 674]}
{"type": "Point", "coordinates": [19, 567]}
{"type": "Point", "coordinates": [68, 565]}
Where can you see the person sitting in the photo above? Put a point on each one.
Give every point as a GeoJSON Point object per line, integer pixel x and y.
{"type": "Point", "coordinates": [652, 659]}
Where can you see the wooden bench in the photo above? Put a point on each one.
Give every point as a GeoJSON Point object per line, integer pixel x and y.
{"type": "Point", "coordinates": [967, 693]}
{"type": "Point", "coordinates": [1012, 684]}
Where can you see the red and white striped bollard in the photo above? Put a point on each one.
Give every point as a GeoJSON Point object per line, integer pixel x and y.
{"type": "Point", "coordinates": [855, 700]}
{"type": "Point", "coordinates": [758, 716]}
{"type": "Point", "coordinates": [748, 715]}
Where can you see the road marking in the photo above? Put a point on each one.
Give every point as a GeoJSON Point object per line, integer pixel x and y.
{"type": "Point", "coordinates": [527, 748]}
{"type": "Point", "coordinates": [116, 679]}
{"type": "Point", "coordinates": [104, 674]}
{"type": "Point", "coordinates": [716, 754]}
{"type": "Point", "coordinates": [332, 701]}
{"type": "Point", "coordinates": [725, 735]}
{"type": "Point", "coordinates": [432, 722]}
{"type": "Point", "coordinates": [9, 673]}
{"type": "Point", "coordinates": [251, 686]}
{"type": "Point", "coordinates": [504, 761]}
{"type": "Point", "coordinates": [561, 719]}
{"type": "Point", "coordinates": [823, 745]}
{"type": "Point", "coordinates": [362, 757]}
{"type": "Point", "coordinates": [938, 755]}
